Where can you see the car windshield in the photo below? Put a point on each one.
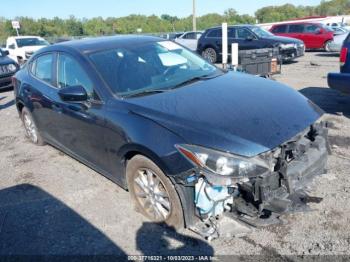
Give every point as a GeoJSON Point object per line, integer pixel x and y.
{"type": "Point", "coordinates": [31, 42]}
{"type": "Point", "coordinates": [150, 67]}
{"type": "Point", "coordinates": [260, 32]}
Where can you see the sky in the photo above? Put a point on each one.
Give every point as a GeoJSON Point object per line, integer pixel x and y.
{"type": "Point", "coordinates": [118, 8]}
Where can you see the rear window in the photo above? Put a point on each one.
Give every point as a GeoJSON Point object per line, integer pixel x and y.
{"type": "Point", "coordinates": [296, 28]}
{"type": "Point", "coordinates": [215, 33]}
{"type": "Point", "coordinates": [279, 29]}
{"type": "Point", "coordinates": [42, 67]}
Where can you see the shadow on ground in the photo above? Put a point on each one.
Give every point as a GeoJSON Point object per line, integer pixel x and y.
{"type": "Point", "coordinates": [153, 238]}
{"type": "Point", "coordinates": [331, 101]}
{"type": "Point", "coordinates": [7, 104]}
{"type": "Point", "coordinates": [328, 54]}
{"type": "Point", "coordinates": [33, 222]}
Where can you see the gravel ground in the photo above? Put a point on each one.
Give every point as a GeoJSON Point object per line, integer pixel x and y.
{"type": "Point", "coordinates": [52, 204]}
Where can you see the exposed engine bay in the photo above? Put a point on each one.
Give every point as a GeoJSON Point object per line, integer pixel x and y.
{"type": "Point", "coordinates": [260, 200]}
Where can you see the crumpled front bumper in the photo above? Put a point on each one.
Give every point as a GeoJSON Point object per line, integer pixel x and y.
{"type": "Point", "coordinates": [259, 201]}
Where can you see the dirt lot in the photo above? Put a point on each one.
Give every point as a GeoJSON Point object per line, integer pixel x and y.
{"type": "Point", "coordinates": [52, 204]}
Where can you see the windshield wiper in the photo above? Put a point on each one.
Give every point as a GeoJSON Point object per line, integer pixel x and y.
{"type": "Point", "coordinates": [195, 79]}
{"type": "Point", "coordinates": [147, 92]}
{"type": "Point", "coordinates": [187, 82]}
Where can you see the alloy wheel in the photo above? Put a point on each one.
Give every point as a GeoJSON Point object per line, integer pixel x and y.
{"type": "Point", "coordinates": [30, 128]}
{"type": "Point", "coordinates": [210, 55]}
{"type": "Point", "coordinates": [152, 195]}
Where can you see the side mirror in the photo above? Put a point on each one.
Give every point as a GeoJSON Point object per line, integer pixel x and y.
{"type": "Point", "coordinates": [73, 94]}
{"type": "Point", "coordinates": [5, 52]}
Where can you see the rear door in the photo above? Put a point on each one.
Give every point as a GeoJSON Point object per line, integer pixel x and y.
{"type": "Point", "coordinates": [297, 31]}
{"type": "Point", "coordinates": [214, 38]}
{"type": "Point", "coordinates": [189, 40]}
{"type": "Point", "coordinates": [280, 30]}
{"type": "Point", "coordinates": [41, 94]}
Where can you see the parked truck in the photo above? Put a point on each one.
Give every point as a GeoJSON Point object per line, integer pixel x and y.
{"type": "Point", "coordinates": [21, 48]}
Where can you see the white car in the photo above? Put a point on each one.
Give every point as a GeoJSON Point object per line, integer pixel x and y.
{"type": "Point", "coordinates": [189, 39]}
{"type": "Point", "coordinates": [337, 43]}
{"type": "Point", "coordinates": [21, 48]}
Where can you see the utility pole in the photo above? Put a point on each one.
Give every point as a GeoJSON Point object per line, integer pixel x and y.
{"type": "Point", "coordinates": [194, 16]}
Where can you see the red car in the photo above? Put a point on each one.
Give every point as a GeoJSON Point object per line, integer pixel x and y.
{"type": "Point", "coordinates": [314, 35]}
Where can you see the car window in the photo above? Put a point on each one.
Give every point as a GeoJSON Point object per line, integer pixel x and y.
{"type": "Point", "coordinates": [70, 73]}
{"type": "Point", "coordinates": [296, 28]}
{"type": "Point", "coordinates": [42, 68]}
{"type": "Point", "coordinates": [231, 33]}
{"type": "Point", "coordinates": [243, 33]}
{"type": "Point", "coordinates": [198, 35]}
{"type": "Point", "coordinates": [280, 29]}
{"type": "Point", "coordinates": [311, 28]}
{"type": "Point", "coordinates": [190, 36]}
{"type": "Point", "coordinates": [150, 66]}
{"type": "Point", "coordinates": [31, 42]}
{"type": "Point", "coordinates": [215, 33]}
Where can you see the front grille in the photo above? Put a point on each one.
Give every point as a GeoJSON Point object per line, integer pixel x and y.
{"type": "Point", "coordinates": [4, 70]}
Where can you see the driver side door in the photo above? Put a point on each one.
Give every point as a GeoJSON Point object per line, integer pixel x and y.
{"type": "Point", "coordinates": [82, 124]}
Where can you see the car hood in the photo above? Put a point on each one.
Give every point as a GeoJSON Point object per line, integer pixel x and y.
{"type": "Point", "coordinates": [237, 113]}
{"type": "Point", "coordinates": [284, 40]}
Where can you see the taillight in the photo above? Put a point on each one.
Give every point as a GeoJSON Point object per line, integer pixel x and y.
{"type": "Point", "coordinates": [343, 56]}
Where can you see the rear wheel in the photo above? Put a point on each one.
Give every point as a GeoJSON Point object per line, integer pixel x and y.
{"type": "Point", "coordinates": [210, 55]}
{"type": "Point", "coordinates": [30, 128]}
{"type": "Point", "coordinates": [153, 193]}
{"type": "Point", "coordinates": [327, 46]}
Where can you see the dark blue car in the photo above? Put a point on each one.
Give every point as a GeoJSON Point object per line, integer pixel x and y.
{"type": "Point", "coordinates": [191, 142]}
{"type": "Point", "coordinates": [8, 68]}
{"type": "Point", "coordinates": [341, 81]}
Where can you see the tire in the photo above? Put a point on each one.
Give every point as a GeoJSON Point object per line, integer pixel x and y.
{"type": "Point", "coordinates": [153, 193]}
{"type": "Point", "coordinates": [32, 132]}
{"type": "Point", "coordinates": [210, 55]}
{"type": "Point", "coordinates": [326, 46]}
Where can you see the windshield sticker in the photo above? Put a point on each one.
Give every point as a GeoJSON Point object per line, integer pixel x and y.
{"type": "Point", "coordinates": [169, 45]}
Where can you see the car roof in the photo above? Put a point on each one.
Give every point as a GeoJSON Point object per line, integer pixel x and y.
{"type": "Point", "coordinates": [240, 25]}
{"type": "Point", "coordinates": [299, 23]}
{"type": "Point", "coordinates": [25, 36]}
{"type": "Point", "coordinates": [90, 45]}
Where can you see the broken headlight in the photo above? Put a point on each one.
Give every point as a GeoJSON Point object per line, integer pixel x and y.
{"type": "Point", "coordinates": [222, 163]}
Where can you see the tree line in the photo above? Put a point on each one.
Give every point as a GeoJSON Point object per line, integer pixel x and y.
{"type": "Point", "coordinates": [57, 27]}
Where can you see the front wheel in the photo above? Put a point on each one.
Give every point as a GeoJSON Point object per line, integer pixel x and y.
{"type": "Point", "coordinates": [210, 55]}
{"type": "Point", "coordinates": [153, 193]}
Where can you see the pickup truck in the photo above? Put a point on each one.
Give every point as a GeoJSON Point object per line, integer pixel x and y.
{"type": "Point", "coordinates": [21, 48]}
{"type": "Point", "coordinates": [341, 81]}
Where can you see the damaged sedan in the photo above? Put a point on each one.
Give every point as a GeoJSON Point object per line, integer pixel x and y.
{"type": "Point", "coordinates": [191, 143]}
